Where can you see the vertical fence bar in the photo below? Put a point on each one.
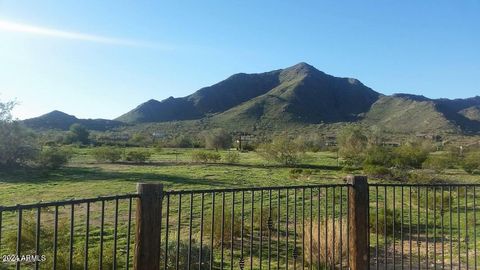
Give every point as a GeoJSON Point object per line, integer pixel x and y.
{"type": "Point", "coordinates": [359, 204]}
{"type": "Point", "coordinates": [385, 240]}
{"type": "Point", "coordinates": [475, 224]}
{"type": "Point", "coordinates": [251, 228]}
{"type": "Point", "coordinates": [189, 256]}
{"type": "Point", "coordinates": [179, 228]}
{"type": "Point", "coordinates": [167, 225]}
{"type": "Point", "coordinates": [318, 227]}
{"type": "Point", "coordinates": [232, 230]}
{"type": "Point", "coordinates": [19, 236]}
{"type": "Point", "coordinates": [410, 221]}
{"type": "Point", "coordinates": [212, 230]}
{"type": "Point", "coordinates": [426, 227]}
{"type": "Point", "coordinates": [87, 235]}
{"type": "Point", "coordinates": [451, 223]}
{"type": "Point", "coordinates": [102, 231]}
{"type": "Point", "coordinates": [129, 229]}
{"type": "Point", "coordinates": [376, 228]}
{"type": "Point", "coordinates": [261, 227]}
{"type": "Point", "coordinates": [37, 236]}
{"type": "Point", "coordinates": [278, 229]}
{"type": "Point", "coordinates": [202, 206]}
{"type": "Point", "coordinates": [55, 237]}
{"type": "Point", "coordinates": [115, 234]}
{"type": "Point", "coordinates": [72, 223]}
{"type": "Point", "coordinates": [147, 244]}
{"type": "Point", "coordinates": [467, 240]}
{"type": "Point", "coordinates": [222, 231]}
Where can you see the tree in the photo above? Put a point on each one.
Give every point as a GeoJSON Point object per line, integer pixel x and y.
{"type": "Point", "coordinates": [218, 139]}
{"type": "Point", "coordinates": [352, 143]}
{"type": "Point", "coordinates": [78, 133]}
{"type": "Point", "coordinates": [17, 144]}
{"type": "Point", "coordinates": [282, 150]}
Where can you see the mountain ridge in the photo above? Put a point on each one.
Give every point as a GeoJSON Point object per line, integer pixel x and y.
{"type": "Point", "coordinates": [297, 95]}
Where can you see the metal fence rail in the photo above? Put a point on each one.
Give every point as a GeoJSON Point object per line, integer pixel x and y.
{"type": "Point", "coordinates": [423, 226]}
{"type": "Point", "coordinates": [341, 226]}
{"type": "Point", "coordinates": [74, 234]}
{"type": "Point", "coordinates": [298, 227]}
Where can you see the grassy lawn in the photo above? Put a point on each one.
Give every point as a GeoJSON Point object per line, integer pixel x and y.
{"type": "Point", "coordinates": [84, 177]}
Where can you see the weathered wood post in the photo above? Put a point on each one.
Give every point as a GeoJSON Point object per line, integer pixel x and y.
{"type": "Point", "coordinates": [147, 244]}
{"type": "Point", "coordinates": [359, 234]}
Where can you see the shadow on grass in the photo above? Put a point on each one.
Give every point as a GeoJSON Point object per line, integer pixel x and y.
{"type": "Point", "coordinates": [78, 174]}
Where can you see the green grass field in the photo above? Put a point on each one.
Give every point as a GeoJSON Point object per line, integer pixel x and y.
{"type": "Point", "coordinates": [85, 178]}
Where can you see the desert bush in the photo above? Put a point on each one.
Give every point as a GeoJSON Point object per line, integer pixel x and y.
{"type": "Point", "coordinates": [422, 177]}
{"type": "Point", "coordinates": [205, 156]}
{"type": "Point", "coordinates": [77, 134]}
{"type": "Point", "coordinates": [54, 157]}
{"type": "Point", "coordinates": [384, 217]}
{"type": "Point", "coordinates": [138, 156]}
{"type": "Point", "coordinates": [352, 143]}
{"type": "Point", "coordinates": [199, 156]}
{"type": "Point", "coordinates": [232, 157]}
{"type": "Point", "coordinates": [282, 150]}
{"type": "Point", "coordinates": [376, 170]}
{"type": "Point", "coordinates": [440, 162]}
{"type": "Point", "coordinates": [410, 156]}
{"type": "Point", "coordinates": [227, 226]}
{"type": "Point", "coordinates": [379, 156]}
{"type": "Point", "coordinates": [110, 154]}
{"type": "Point", "coordinates": [217, 139]}
{"type": "Point", "coordinates": [183, 251]}
{"type": "Point", "coordinates": [471, 162]}
{"type": "Point", "coordinates": [328, 245]}
{"type": "Point", "coordinates": [18, 146]}
{"type": "Point", "coordinates": [214, 156]}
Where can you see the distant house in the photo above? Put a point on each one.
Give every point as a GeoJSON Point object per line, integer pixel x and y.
{"type": "Point", "coordinates": [391, 144]}
{"type": "Point", "coordinates": [429, 136]}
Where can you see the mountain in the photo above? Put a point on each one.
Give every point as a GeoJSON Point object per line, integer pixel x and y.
{"type": "Point", "coordinates": [304, 95]}
{"type": "Point", "coordinates": [62, 121]}
{"type": "Point", "coordinates": [295, 97]}
{"type": "Point", "coordinates": [300, 93]}
{"type": "Point", "coordinates": [411, 113]}
{"type": "Point", "coordinates": [213, 99]}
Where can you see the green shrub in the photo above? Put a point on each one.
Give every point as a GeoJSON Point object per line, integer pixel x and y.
{"type": "Point", "coordinates": [205, 156]}
{"type": "Point", "coordinates": [227, 225]}
{"type": "Point", "coordinates": [439, 162]}
{"type": "Point", "coordinates": [183, 250]}
{"type": "Point", "coordinates": [410, 156]}
{"type": "Point", "coordinates": [200, 156]}
{"type": "Point", "coordinates": [471, 162]}
{"type": "Point", "coordinates": [138, 156]}
{"type": "Point", "coordinates": [376, 170]}
{"type": "Point", "coordinates": [214, 156]}
{"type": "Point", "coordinates": [282, 150]}
{"type": "Point", "coordinates": [232, 157]}
{"type": "Point", "coordinates": [384, 217]}
{"type": "Point", "coordinates": [379, 156]}
{"type": "Point", "coordinates": [53, 157]}
{"type": "Point", "coordinates": [110, 154]}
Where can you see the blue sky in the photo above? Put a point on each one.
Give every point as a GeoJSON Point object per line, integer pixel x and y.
{"type": "Point", "coordinates": [99, 59]}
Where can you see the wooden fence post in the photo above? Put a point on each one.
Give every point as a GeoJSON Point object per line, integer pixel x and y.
{"type": "Point", "coordinates": [147, 244]}
{"type": "Point", "coordinates": [359, 234]}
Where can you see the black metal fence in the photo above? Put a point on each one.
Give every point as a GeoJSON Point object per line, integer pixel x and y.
{"type": "Point", "coordinates": [256, 228]}
{"type": "Point", "coordinates": [75, 234]}
{"type": "Point", "coordinates": [289, 227]}
{"type": "Point", "coordinates": [423, 226]}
